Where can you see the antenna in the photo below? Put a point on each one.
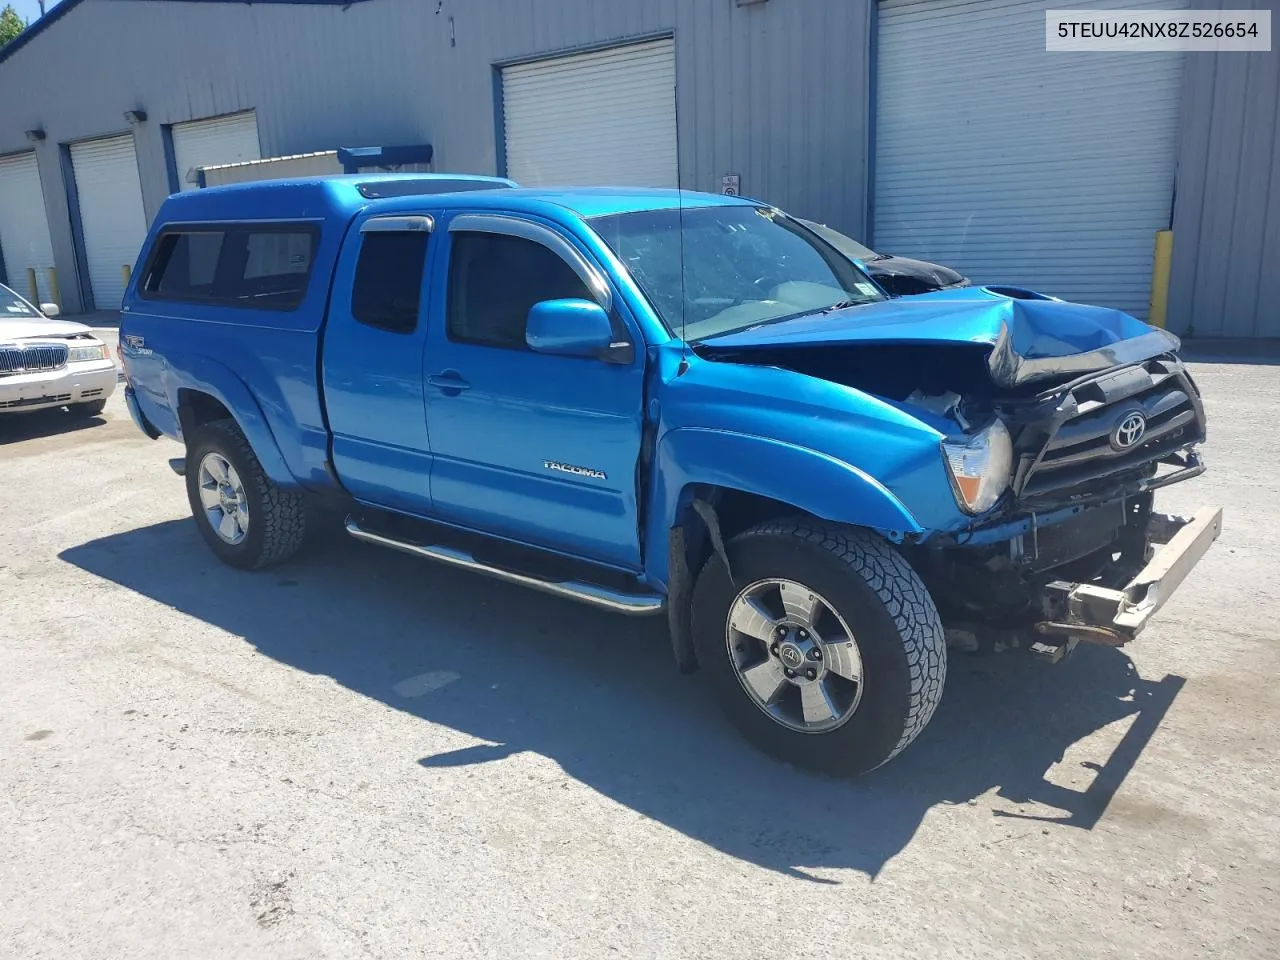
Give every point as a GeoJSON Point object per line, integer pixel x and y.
{"type": "Point", "coordinates": [684, 299]}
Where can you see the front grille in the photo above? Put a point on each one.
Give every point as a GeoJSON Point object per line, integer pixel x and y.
{"type": "Point", "coordinates": [1076, 452]}
{"type": "Point", "coordinates": [32, 358]}
{"type": "Point", "coordinates": [90, 394]}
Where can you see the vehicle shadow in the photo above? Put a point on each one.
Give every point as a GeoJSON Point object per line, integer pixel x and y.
{"type": "Point", "coordinates": [43, 423]}
{"type": "Point", "coordinates": [599, 695]}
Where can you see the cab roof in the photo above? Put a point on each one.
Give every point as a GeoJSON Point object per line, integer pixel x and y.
{"type": "Point", "coordinates": [341, 197]}
{"type": "Point", "coordinates": [589, 202]}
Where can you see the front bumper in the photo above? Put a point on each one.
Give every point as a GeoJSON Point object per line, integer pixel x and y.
{"type": "Point", "coordinates": [1114, 616]}
{"type": "Point", "coordinates": [82, 382]}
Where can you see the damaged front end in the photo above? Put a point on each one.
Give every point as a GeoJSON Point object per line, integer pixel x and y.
{"type": "Point", "coordinates": [1059, 422]}
{"type": "Point", "coordinates": [1075, 545]}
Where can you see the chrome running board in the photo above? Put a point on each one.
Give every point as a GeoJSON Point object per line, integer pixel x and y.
{"type": "Point", "coordinates": [633, 604]}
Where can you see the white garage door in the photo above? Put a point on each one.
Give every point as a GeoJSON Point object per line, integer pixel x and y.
{"type": "Point", "coordinates": [110, 213]}
{"type": "Point", "coordinates": [204, 143]}
{"type": "Point", "coordinates": [607, 117]}
{"type": "Point", "coordinates": [24, 229]}
{"type": "Point", "coordinates": [1048, 170]}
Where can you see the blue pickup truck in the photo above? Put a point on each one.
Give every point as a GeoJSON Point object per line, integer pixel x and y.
{"type": "Point", "coordinates": [670, 403]}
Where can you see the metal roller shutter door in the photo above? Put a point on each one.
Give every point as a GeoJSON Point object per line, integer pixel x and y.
{"type": "Point", "coordinates": [111, 213]}
{"type": "Point", "coordinates": [1047, 170]}
{"type": "Point", "coordinates": [206, 143]}
{"type": "Point", "coordinates": [24, 228]}
{"type": "Point", "coordinates": [605, 117]}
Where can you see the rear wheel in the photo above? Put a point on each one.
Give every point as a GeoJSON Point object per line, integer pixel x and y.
{"type": "Point", "coordinates": [245, 518]}
{"type": "Point", "coordinates": [825, 649]}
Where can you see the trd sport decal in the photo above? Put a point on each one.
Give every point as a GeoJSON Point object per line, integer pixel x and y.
{"type": "Point", "coordinates": [576, 471]}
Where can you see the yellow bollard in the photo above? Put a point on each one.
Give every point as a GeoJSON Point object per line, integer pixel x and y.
{"type": "Point", "coordinates": [127, 272]}
{"type": "Point", "coordinates": [55, 292]}
{"type": "Point", "coordinates": [1161, 267]}
{"type": "Point", "coordinates": [33, 291]}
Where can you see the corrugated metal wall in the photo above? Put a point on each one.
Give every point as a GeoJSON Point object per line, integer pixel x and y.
{"type": "Point", "coordinates": [1226, 220]}
{"type": "Point", "coordinates": [1049, 170]}
{"type": "Point", "coordinates": [775, 91]}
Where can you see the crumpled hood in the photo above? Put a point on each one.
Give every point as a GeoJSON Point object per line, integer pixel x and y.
{"type": "Point", "coordinates": [20, 328]}
{"type": "Point", "coordinates": [1028, 336]}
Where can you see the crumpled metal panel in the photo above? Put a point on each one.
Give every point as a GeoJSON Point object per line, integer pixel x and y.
{"type": "Point", "coordinates": [1029, 336]}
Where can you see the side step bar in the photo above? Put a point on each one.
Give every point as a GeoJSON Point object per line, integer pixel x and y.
{"type": "Point", "coordinates": [634, 604]}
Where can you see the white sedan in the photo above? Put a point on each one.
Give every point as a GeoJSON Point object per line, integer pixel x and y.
{"type": "Point", "coordinates": [50, 363]}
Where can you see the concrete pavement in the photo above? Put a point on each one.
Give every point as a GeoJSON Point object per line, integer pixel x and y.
{"type": "Point", "coordinates": [361, 754]}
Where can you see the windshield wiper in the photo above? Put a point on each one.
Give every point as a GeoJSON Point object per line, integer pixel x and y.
{"type": "Point", "coordinates": [841, 304]}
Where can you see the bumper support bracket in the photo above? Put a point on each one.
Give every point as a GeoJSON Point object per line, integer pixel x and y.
{"type": "Point", "coordinates": [1114, 616]}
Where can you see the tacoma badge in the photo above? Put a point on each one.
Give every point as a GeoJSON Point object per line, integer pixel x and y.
{"type": "Point", "coordinates": [576, 471]}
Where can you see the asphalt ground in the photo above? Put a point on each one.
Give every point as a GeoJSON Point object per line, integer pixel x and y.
{"type": "Point", "coordinates": [363, 754]}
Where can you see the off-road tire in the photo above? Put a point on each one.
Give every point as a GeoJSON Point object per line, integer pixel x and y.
{"type": "Point", "coordinates": [277, 518]}
{"type": "Point", "coordinates": [90, 408]}
{"type": "Point", "coordinates": [885, 605]}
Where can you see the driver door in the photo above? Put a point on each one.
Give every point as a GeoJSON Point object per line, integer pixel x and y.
{"type": "Point", "coordinates": [531, 446]}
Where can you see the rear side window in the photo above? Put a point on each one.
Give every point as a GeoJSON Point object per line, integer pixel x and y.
{"type": "Point", "coordinates": [495, 279]}
{"type": "Point", "coordinates": [388, 284]}
{"type": "Point", "coordinates": [191, 261]}
{"type": "Point", "coordinates": [262, 267]}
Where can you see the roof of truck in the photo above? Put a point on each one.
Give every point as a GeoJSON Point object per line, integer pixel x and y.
{"type": "Point", "coordinates": [601, 201]}
{"type": "Point", "coordinates": [341, 197]}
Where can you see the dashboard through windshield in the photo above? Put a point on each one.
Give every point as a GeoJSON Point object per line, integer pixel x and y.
{"type": "Point", "coordinates": [12, 305]}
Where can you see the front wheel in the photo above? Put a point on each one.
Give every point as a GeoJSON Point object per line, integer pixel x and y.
{"type": "Point", "coordinates": [825, 648]}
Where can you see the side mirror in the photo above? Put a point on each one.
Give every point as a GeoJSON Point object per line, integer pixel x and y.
{"type": "Point", "coordinates": [574, 328]}
{"type": "Point", "coordinates": [50, 309]}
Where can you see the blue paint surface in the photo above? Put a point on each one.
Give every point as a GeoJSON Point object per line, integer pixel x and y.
{"type": "Point", "coordinates": [589, 458]}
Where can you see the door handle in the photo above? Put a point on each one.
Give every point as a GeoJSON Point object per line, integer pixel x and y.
{"type": "Point", "coordinates": [449, 382]}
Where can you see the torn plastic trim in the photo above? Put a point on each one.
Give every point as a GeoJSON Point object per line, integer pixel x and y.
{"type": "Point", "coordinates": [1189, 464]}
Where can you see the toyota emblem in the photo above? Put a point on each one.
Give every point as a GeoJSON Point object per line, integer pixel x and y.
{"type": "Point", "coordinates": [1129, 431]}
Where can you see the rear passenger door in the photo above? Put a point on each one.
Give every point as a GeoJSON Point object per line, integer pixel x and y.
{"type": "Point", "coordinates": [372, 360]}
{"type": "Point", "coordinates": [536, 447]}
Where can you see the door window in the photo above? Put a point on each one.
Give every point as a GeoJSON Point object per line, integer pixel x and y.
{"type": "Point", "coordinates": [388, 283]}
{"type": "Point", "coordinates": [493, 281]}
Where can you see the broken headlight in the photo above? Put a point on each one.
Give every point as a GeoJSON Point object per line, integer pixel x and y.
{"type": "Point", "coordinates": [981, 467]}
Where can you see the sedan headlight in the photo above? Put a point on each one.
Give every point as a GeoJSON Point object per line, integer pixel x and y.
{"type": "Point", "coordinates": [981, 467]}
{"type": "Point", "coordinates": [92, 351]}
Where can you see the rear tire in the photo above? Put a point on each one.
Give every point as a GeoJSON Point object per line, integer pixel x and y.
{"type": "Point", "coordinates": [857, 583]}
{"type": "Point", "coordinates": [260, 523]}
{"type": "Point", "coordinates": [90, 409]}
